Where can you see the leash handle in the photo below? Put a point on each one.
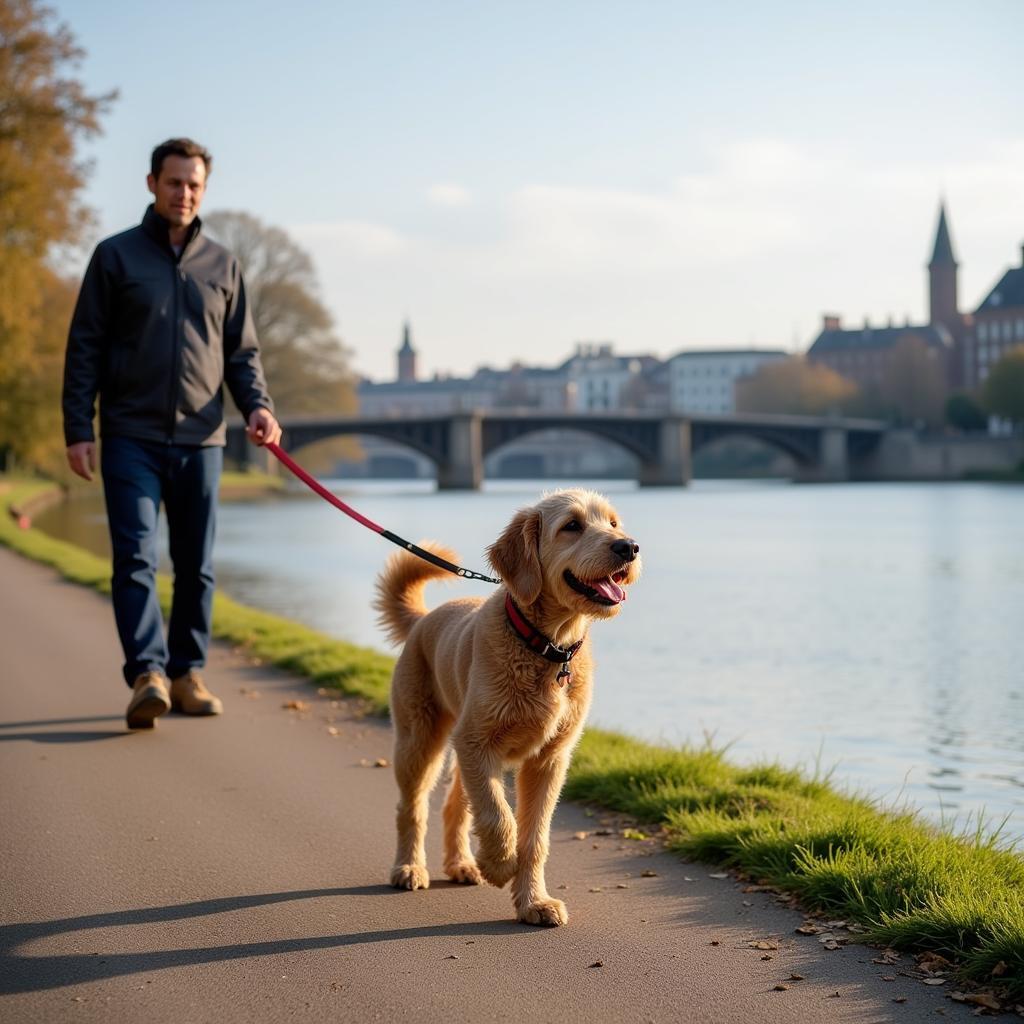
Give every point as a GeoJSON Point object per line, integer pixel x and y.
{"type": "Point", "coordinates": [318, 488]}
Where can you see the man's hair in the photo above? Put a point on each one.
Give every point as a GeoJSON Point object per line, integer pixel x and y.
{"type": "Point", "coordinates": [179, 147]}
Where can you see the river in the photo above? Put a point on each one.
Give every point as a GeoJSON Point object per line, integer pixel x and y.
{"type": "Point", "coordinates": [874, 630]}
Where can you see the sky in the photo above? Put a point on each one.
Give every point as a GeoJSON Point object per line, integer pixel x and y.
{"type": "Point", "coordinates": [515, 178]}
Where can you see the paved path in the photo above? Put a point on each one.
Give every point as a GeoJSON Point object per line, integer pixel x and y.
{"type": "Point", "coordinates": [231, 869]}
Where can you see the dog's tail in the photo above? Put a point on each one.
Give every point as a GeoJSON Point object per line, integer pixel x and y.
{"type": "Point", "coordinates": [400, 589]}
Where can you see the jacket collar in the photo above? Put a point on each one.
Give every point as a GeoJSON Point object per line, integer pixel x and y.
{"type": "Point", "coordinates": [160, 231]}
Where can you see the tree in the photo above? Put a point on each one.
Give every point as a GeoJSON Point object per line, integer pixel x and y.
{"type": "Point", "coordinates": [914, 385]}
{"type": "Point", "coordinates": [307, 366]}
{"type": "Point", "coordinates": [44, 112]}
{"type": "Point", "coordinates": [964, 413]}
{"type": "Point", "coordinates": [795, 386]}
{"type": "Point", "coordinates": [1003, 394]}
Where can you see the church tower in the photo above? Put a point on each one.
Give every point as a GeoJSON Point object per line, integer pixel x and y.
{"type": "Point", "coordinates": [943, 307]}
{"type": "Point", "coordinates": [406, 356]}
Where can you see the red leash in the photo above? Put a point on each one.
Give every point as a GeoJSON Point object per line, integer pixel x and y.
{"type": "Point", "coordinates": [314, 485]}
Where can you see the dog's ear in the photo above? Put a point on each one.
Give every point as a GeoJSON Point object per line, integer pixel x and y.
{"type": "Point", "coordinates": [515, 556]}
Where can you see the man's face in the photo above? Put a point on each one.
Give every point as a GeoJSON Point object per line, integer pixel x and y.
{"type": "Point", "coordinates": [178, 190]}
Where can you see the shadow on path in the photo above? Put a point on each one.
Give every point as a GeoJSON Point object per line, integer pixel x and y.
{"type": "Point", "coordinates": [66, 736]}
{"type": "Point", "coordinates": [61, 721]}
{"type": "Point", "coordinates": [37, 973]}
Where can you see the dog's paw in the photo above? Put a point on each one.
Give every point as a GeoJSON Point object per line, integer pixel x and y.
{"type": "Point", "coordinates": [496, 869]}
{"type": "Point", "coordinates": [547, 912]}
{"type": "Point", "coordinates": [465, 872]}
{"type": "Point", "coordinates": [410, 876]}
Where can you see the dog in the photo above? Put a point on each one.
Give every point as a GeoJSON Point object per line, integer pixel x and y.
{"type": "Point", "coordinates": [507, 682]}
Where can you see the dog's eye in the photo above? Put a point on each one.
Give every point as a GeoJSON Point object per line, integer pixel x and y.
{"type": "Point", "coordinates": [614, 524]}
{"type": "Point", "coordinates": [573, 526]}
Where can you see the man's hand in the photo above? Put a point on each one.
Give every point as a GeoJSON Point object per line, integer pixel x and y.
{"type": "Point", "coordinates": [263, 428]}
{"type": "Point", "coordinates": [82, 458]}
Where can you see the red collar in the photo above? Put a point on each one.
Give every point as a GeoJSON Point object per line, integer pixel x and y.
{"type": "Point", "coordinates": [538, 642]}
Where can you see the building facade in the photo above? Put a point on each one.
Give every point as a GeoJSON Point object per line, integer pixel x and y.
{"type": "Point", "coordinates": [997, 325]}
{"type": "Point", "coordinates": [866, 354]}
{"type": "Point", "coordinates": [705, 381]}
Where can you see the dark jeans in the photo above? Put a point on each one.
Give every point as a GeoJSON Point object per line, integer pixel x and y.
{"type": "Point", "coordinates": [137, 476]}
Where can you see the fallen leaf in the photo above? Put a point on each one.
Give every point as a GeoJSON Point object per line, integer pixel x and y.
{"type": "Point", "coordinates": [767, 956]}
{"type": "Point", "coordinates": [332, 730]}
{"type": "Point", "coordinates": [807, 929]}
{"type": "Point", "coordinates": [452, 956]}
{"type": "Point", "coordinates": [796, 977]}
{"type": "Point", "coordinates": [633, 833]}
{"type": "Point", "coordinates": [899, 999]}
{"type": "Point", "coordinates": [888, 977]}
{"type": "Point", "coordinates": [934, 981]}
{"type": "Point", "coordinates": [648, 874]}
{"type": "Point", "coordinates": [295, 705]}
{"type": "Point", "coordinates": [763, 944]}
{"type": "Point", "coordinates": [835, 995]}
{"type": "Point", "coordinates": [603, 832]}
{"type": "Point", "coordinates": [831, 945]}
{"type": "Point", "coordinates": [781, 988]}
{"type": "Point", "coordinates": [381, 762]}
{"type": "Point", "coordinates": [597, 963]}
{"type": "Point", "coordinates": [719, 874]}
{"type": "Point", "coordinates": [747, 903]}
{"type": "Point", "coordinates": [999, 970]}
{"type": "Point", "coordinates": [594, 888]}
{"type": "Point", "coordinates": [621, 885]}
{"type": "Point", "coordinates": [580, 835]}
{"type": "Point", "coordinates": [562, 886]}
{"type": "Point", "coordinates": [989, 1002]}
{"type": "Point", "coordinates": [759, 888]}
{"type": "Point", "coordinates": [715, 942]}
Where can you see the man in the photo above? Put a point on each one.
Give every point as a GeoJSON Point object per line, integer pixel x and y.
{"type": "Point", "coordinates": [161, 324]}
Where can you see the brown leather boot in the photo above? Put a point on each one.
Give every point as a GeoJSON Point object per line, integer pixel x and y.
{"type": "Point", "coordinates": [190, 696]}
{"type": "Point", "coordinates": [150, 700]}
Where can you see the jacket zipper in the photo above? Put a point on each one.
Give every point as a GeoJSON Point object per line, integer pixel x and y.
{"type": "Point", "coordinates": [175, 382]}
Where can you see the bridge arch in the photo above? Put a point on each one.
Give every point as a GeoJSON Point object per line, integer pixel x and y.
{"type": "Point", "coordinates": [799, 443]}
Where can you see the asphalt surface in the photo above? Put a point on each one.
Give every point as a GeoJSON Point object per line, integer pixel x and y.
{"type": "Point", "coordinates": [232, 869]}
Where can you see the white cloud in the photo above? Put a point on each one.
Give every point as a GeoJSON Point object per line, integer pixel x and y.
{"type": "Point", "coordinates": [749, 250]}
{"type": "Point", "coordinates": [449, 195]}
{"type": "Point", "coordinates": [361, 238]}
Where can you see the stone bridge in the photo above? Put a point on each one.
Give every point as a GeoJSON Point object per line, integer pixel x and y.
{"type": "Point", "coordinates": [824, 448]}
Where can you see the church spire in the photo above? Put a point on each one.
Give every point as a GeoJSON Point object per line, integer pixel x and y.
{"type": "Point", "coordinates": [942, 251]}
{"type": "Point", "coordinates": [943, 304]}
{"type": "Point", "coordinates": [406, 355]}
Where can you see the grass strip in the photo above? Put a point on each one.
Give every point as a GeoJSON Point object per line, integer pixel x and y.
{"type": "Point", "coordinates": [914, 886]}
{"type": "Point", "coordinates": [355, 671]}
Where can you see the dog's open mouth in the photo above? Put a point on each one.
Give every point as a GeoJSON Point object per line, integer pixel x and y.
{"type": "Point", "coordinates": [604, 591]}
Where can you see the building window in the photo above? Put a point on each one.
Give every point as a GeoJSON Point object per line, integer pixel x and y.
{"type": "Point", "coordinates": [1020, 327]}
{"type": "Point", "coordinates": [1007, 331]}
{"type": "Point", "coordinates": [982, 332]}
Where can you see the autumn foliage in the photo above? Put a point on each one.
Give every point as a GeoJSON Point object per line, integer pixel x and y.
{"type": "Point", "coordinates": [797, 387]}
{"type": "Point", "coordinates": [44, 113]}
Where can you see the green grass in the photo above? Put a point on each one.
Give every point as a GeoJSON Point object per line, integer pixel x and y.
{"type": "Point", "coordinates": [356, 671]}
{"type": "Point", "coordinates": [912, 885]}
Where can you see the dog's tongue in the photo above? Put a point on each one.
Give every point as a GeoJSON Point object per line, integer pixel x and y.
{"type": "Point", "coordinates": [609, 589]}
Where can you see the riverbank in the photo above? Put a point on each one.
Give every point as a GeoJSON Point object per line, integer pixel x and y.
{"type": "Point", "coordinates": [902, 881]}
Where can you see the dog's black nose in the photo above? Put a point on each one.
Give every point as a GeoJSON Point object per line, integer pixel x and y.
{"type": "Point", "coordinates": [627, 549]}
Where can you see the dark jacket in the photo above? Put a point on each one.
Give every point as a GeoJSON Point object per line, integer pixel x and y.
{"type": "Point", "coordinates": [156, 336]}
